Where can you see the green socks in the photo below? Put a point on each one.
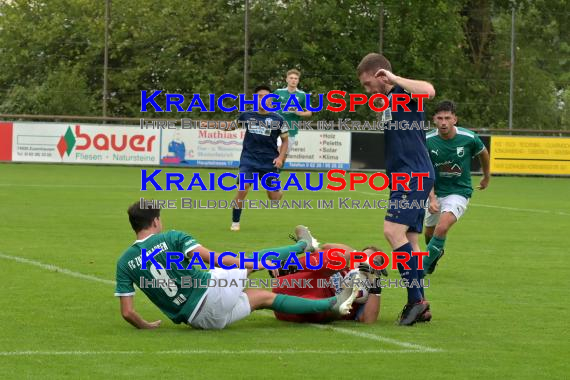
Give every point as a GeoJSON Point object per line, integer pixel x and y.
{"type": "Point", "coordinates": [434, 248]}
{"type": "Point", "coordinates": [298, 305]}
{"type": "Point", "coordinates": [285, 251]}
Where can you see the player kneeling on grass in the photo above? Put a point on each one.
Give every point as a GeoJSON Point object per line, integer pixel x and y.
{"type": "Point", "coordinates": [451, 149]}
{"type": "Point", "coordinates": [209, 307]}
{"type": "Point", "coordinates": [324, 283]}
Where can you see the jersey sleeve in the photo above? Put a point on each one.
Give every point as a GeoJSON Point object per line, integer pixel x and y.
{"type": "Point", "coordinates": [183, 242]}
{"type": "Point", "coordinates": [283, 126]}
{"type": "Point", "coordinates": [478, 145]}
{"type": "Point", "coordinates": [124, 285]}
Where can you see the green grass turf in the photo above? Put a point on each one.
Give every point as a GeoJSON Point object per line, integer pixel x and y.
{"type": "Point", "coordinates": [499, 297]}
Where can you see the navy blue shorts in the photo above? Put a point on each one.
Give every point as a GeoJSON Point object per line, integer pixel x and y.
{"type": "Point", "coordinates": [406, 211]}
{"type": "Point", "coordinates": [248, 175]}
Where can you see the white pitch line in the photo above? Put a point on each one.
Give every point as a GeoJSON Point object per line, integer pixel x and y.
{"type": "Point", "coordinates": [361, 334]}
{"type": "Point", "coordinates": [378, 338]}
{"type": "Point", "coordinates": [205, 352]}
{"type": "Point", "coordinates": [53, 268]}
{"type": "Point", "coordinates": [490, 206]}
{"type": "Point", "coordinates": [55, 185]}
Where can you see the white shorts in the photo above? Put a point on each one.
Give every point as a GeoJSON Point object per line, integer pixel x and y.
{"type": "Point", "coordinates": [223, 305]}
{"type": "Point", "coordinates": [292, 140]}
{"type": "Point", "coordinates": [455, 204]}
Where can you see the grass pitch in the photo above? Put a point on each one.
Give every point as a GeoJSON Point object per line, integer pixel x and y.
{"type": "Point", "coordinates": [499, 296]}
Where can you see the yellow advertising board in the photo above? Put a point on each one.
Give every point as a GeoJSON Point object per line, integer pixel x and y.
{"type": "Point", "coordinates": [530, 155]}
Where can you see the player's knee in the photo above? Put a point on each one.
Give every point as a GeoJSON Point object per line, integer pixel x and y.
{"type": "Point", "coordinates": [442, 229]}
{"type": "Point", "coordinates": [392, 234]}
{"type": "Point", "coordinates": [275, 195]}
{"type": "Point", "coordinates": [259, 299]}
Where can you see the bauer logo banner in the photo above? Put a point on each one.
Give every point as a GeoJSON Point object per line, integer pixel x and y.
{"type": "Point", "coordinates": [84, 143]}
{"type": "Point", "coordinates": [530, 155]}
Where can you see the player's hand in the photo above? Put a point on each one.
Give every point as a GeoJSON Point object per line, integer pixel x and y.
{"type": "Point", "coordinates": [483, 184]}
{"type": "Point", "coordinates": [433, 206]}
{"type": "Point", "coordinates": [153, 325]}
{"type": "Point", "coordinates": [386, 76]}
{"type": "Point", "coordinates": [278, 163]}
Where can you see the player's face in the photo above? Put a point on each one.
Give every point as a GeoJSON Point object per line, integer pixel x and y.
{"type": "Point", "coordinates": [260, 95]}
{"type": "Point", "coordinates": [444, 120]}
{"type": "Point", "coordinates": [371, 84]}
{"type": "Point", "coordinates": [293, 80]}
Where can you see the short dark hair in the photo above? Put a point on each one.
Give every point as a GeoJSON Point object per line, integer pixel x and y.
{"type": "Point", "coordinates": [446, 105]}
{"type": "Point", "coordinates": [372, 247]}
{"type": "Point", "coordinates": [373, 62]}
{"type": "Point", "coordinates": [261, 87]}
{"type": "Point", "coordinates": [141, 218]}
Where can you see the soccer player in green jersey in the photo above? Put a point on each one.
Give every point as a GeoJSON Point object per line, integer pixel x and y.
{"type": "Point", "coordinates": [293, 115]}
{"type": "Point", "coordinates": [451, 149]}
{"type": "Point", "coordinates": [171, 288]}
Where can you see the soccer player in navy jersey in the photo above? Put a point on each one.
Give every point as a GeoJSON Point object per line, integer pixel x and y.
{"type": "Point", "coordinates": [405, 152]}
{"type": "Point", "coordinates": [260, 154]}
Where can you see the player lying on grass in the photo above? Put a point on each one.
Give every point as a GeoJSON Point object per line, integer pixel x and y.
{"type": "Point", "coordinates": [451, 149]}
{"type": "Point", "coordinates": [366, 306]}
{"type": "Point", "coordinates": [210, 307]}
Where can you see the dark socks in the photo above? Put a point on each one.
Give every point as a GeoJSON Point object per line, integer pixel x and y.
{"type": "Point", "coordinates": [414, 292]}
{"type": "Point", "coordinates": [236, 215]}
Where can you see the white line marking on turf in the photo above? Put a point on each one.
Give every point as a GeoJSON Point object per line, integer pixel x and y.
{"type": "Point", "coordinates": [205, 352]}
{"type": "Point", "coordinates": [53, 268]}
{"type": "Point", "coordinates": [490, 206]}
{"type": "Point", "coordinates": [378, 338]}
{"type": "Point", "coordinates": [361, 334]}
{"type": "Point", "coordinates": [55, 185]}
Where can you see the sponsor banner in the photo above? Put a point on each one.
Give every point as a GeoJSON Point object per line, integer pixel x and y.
{"type": "Point", "coordinates": [201, 147]}
{"type": "Point", "coordinates": [84, 143]}
{"type": "Point", "coordinates": [530, 155]}
{"type": "Point", "coordinates": [320, 150]}
{"type": "Point", "coordinates": [6, 129]}
{"type": "Point", "coordinates": [208, 147]}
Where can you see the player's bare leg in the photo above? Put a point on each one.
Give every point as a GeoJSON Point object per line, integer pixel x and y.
{"type": "Point", "coordinates": [236, 212]}
{"type": "Point", "coordinates": [428, 233]}
{"type": "Point", "coordinates": [446, 220]}
{"type": "Point", "coordinates": [275, 195]}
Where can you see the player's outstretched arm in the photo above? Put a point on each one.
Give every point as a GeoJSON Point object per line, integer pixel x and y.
{"type": "Point", "coordinates": [485, 161]}
{"type": "Point", "coordinates": [130, 315]}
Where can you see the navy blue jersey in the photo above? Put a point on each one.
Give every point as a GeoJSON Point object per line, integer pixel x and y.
{"type": "Point", "coordinates": [260, 141]}
{"type": "Point", "coordinates": [406, 149]}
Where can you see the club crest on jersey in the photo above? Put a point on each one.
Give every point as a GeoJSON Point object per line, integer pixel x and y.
{"type": "Point", "coordinates": [460, 151]}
